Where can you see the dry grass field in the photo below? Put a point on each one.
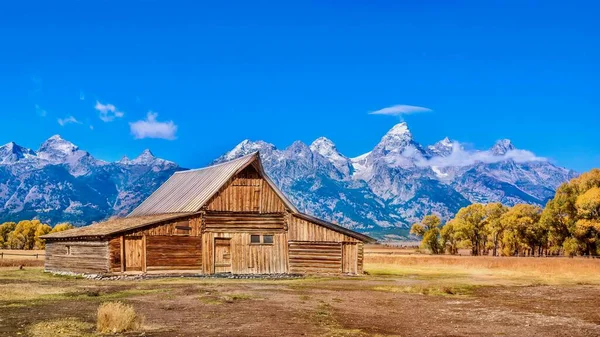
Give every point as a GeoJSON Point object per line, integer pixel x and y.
{"type": "Point", "coordinates": [15, 258]}
{"type": "Point", "coordinates": [404, 294]}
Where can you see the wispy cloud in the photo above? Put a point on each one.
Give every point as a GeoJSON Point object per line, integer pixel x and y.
{"type": "Point", "coordinates": [459, 157]}
{"type": "Point", "coordinates": [399, 110]}
{"type": "Point", "coordinates": [81, 95]}
{"type": "Point", "coordinates": [40, 111]}
{"type": "Point", "coordinates": [152, 128]}
{"type": "Point", "coordinates": [68, 120]}
{"type": "Point", "coordinates": [108, 112]}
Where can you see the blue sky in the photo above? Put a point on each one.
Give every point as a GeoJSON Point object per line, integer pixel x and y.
{"type": "Point", "coordinates": [280, 72]}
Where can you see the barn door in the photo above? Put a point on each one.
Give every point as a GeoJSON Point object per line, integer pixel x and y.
{"type": "Point", "coordinates": [134, 250]}
{"type": "Point", "coordinates": [222, 255]}
{"type": "Point", "coordinates": [349, 258]}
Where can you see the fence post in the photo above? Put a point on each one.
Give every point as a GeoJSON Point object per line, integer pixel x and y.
{"type": "Point", "coordinates": [36, 256]}
{"type": "Point", "coordinates": [1, 255]}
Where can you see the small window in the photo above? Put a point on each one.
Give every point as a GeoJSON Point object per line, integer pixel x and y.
{"type": "Point", "coordinates": [268, 239]}
{"type": "Point", "coordinates": [68, 250]}
{"type": "Point", "coordinates": [254, 238]}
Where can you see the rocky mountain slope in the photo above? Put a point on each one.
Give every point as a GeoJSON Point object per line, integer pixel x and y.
{"type": "Point", "coordinates": [60, 182]}
{"type": "Point", "coordinates": [400, 180]}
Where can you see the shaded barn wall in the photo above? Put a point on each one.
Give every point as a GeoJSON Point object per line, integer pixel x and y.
{"type": "Point", "coordinates": [247, 192]}
{"type": "Point", "coordinates": [77, 256]}
{"type": "Point", "coordinates": [242, 256]}
{"type": "Point", "coordinates": [314, 248]}
{"type": "Point", "coordinates": [173, 245]}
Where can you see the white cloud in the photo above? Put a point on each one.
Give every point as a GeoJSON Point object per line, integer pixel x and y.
{"type": "Point", "coordinates": [81, 95]}
{"type": "Point", "coordinates": [108, 112]}
{"type": "Point", "coordinates": [68, 120]}
{"type": "Point", "coordinates": [459, 157]}
{"type": "Point", "coordinates": [399, 110]}
{"type": "Point", "coordinates": [41, 112]}
{"type": "Point", "coordinates": [151, 128]}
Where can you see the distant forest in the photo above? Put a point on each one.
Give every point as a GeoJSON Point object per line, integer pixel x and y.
{"type": "Point", "coordinates": [569, 225]}
{"type": "Point", "coordinates": [26, 234]}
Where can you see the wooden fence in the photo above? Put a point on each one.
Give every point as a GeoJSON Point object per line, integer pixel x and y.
{"type": "Point", "coordinates": [37, 255]}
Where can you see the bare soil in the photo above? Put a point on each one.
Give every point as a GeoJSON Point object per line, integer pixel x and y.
{"type": "Point", "coordinates": [346, 306]}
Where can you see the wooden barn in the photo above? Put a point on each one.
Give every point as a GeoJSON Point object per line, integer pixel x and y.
{"type": "Point", "coordinates": [226, 218]}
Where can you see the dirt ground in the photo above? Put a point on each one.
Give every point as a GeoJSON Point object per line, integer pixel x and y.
{"type": "Point", "coordinates": [405, 301]}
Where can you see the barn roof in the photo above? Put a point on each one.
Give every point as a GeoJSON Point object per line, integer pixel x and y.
{"type": "Point", "coordinates": [115, 225]}
{"type": "Point", "coordinates": [188, 191]}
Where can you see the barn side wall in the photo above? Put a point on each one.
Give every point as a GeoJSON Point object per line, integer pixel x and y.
{"type": "Point", "coordinates": [315, 249]}
{"type": "Point", "coordinates": [77, 256]}
{"type": "Point", "coordinates": [245, 257]}
{"type": "Point", "coordinates": [169, 246]}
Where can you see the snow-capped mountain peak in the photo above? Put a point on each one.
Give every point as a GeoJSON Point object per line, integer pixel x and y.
{"type": "Point", "coordinates": [11, 152]}
{"type": "Point", "coordinates": [55, 148]}
{"type": "Point", "coordinates": [326, 148]}
{"type": "Point", "coordinates": [442, 148]}
{"type": "Point", "coordinates": [502, 146]}
{"type": "Point", "coordinates": [246, 147]}
{"type": "Point", "coordinates": [400, 129]}
{"type": "Point", "coordinates": [147, 158]}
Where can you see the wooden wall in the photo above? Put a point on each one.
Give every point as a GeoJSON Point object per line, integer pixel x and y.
{"type": "Point", "coordinates": [243, 222]}
{"type": "Point", "coordinates": [315, 257]}
{"type": "Point", "coordinates": [173, 252]}
{"type": "Point", "coordinates": [174, 245]}
{"type": "Point", "coordinates": [85, 256]}
{"type": "Point", "coordinates": [361, 252]}
{"type": "Point", "coordinates": [247, 192]}
{"type": "Point", "coordinates": [302, 230]}
{"type": "Point", "coordinates": [186, 227]}
{"type": "Point", "coordinates": [246, 257]}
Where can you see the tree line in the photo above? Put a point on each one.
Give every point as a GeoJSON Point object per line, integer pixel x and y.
{"type": "Point", "coordinates": [26, 234]}
{"type": "Point", "coordinates": [569, 225]}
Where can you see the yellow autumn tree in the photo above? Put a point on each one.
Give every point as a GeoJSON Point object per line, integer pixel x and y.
{"type": "Point", "coordinates": [429, 230]}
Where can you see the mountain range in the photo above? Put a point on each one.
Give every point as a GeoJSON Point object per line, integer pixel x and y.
{"type": "Point", "coordinates": [385, 190]}
{"type": "Point", "coordinates": [380, 192]}
{"type": "Point", "coordinates": [60, 182]}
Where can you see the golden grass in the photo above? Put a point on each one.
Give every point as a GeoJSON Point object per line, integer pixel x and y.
{"type": "Point", "coordinates": [487, 269]}
{"type": "Point", "coordinates": [432, 289]}
{"type": "Point", "coordinates": [27, 291]}
{"type": "Point", "coordinates": [15, 263]}
{"type": "Point", "coordinates": [117, 317]}
{"type": "Point", "coordinates": [64, 327]}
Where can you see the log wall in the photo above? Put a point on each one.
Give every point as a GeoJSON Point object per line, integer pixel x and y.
{"type": "Point", "coordinates": [302, 230]}
{"type": "Point", "coordinates": [227, 222]}
{"type": "Point", "coordinates": [184, 227]}
{"type": "Point", "coordinates": [81, 256]}
{"type": "Point", "coordinates": [315, 257]}
{"type": "Point", "coordinates": [173, 252]}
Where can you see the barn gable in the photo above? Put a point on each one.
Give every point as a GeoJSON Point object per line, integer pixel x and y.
{"type": "Point", "coordinates": [247, 191]}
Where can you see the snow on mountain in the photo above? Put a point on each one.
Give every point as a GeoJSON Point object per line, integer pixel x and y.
{"type": "Point", "coordinates": [327, 149]}
{"type": "Point", "coordinates": [443, 148]}
{"type": "Point", "coordinates": [11, 153]}
{"type": "Point", "coordinates": [399, 181]}
{"type": "Point", "coordinates": [502, 147]}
